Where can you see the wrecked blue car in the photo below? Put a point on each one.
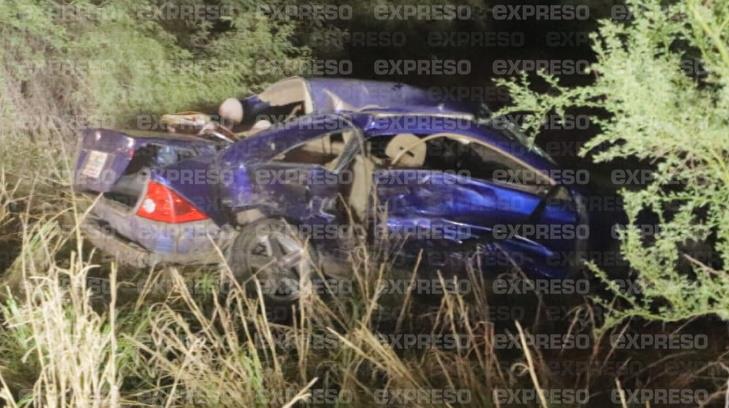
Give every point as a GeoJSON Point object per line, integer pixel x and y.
{"type": "Point", "coordinates": [278, 182]}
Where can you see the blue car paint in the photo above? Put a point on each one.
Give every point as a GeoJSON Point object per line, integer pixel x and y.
{"type": "Point", "coordinates": [465, 208]}
{"type": "Point", "coordinates": [121, 147]}
{"type": "Point", "coordinates": [392, 96]}
{"type": "Point", "coordinates": [461, 209]}
{"type": "Point", "coordinates": [248, 157]}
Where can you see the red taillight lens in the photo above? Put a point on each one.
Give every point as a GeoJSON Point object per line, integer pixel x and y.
{"type": "Point", "coordinates": [162, 204]}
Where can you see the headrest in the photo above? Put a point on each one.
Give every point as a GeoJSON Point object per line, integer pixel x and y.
{"type": "Point", "coordinates": [231, 110]}
{"type": "Point", "coordinates": [413, 147]}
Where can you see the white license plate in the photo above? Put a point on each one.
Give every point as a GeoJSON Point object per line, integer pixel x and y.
{"type": "Point", "coordinates": [94, 164]}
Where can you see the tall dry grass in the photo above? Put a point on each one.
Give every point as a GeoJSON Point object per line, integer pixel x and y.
{"type": "Point", "coordinates": [67, 344]}
{"type": "Point", "coordinates": [52, 330]}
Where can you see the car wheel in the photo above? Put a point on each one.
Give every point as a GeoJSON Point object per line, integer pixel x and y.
{"type": "Point", "coordinates": [273, 252]}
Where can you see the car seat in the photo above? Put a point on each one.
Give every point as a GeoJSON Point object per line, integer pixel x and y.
{"type": "Point", "coordinates": [407, 150]}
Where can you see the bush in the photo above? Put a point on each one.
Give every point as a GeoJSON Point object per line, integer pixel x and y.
{"type": "Point", "coordinates": [662, 79]}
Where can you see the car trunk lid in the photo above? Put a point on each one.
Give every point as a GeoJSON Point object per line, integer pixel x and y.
{"type": "Point", "coordinates": [117, 163]}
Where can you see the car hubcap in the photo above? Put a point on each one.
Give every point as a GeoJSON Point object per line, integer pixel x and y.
{"type": "Point", "coordinates": [279, 261]}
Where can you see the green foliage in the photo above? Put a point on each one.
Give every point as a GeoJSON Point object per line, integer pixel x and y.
{"type": "Point", "coordinates": [114, 60]}
{"type": "Point", "coordinates": [663, 111]}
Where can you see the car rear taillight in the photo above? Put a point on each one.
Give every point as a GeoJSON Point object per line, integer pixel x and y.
{"type": "Point", "coordinates": [162, 204]}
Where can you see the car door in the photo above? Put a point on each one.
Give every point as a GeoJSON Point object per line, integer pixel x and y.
{"type": "Point", "coordinates": [449, 202]}
{"type": "Point", "coordinates": [303, 183]}
{"type": "Point", "coordinates": [462, 195]}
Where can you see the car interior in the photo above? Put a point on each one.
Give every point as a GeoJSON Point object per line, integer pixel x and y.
{"type": "Point", "coordinates": [327, 151]}
{"type": "Point", "coordinates": [285, 100]}
{"type": "Point", "coordinates": [324, 151]}
{"type": "Point", "coordinates": [454, 153]}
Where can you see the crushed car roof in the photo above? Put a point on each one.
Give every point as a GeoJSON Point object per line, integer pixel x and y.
{"type": "Point", "coordinates": [341, 94]}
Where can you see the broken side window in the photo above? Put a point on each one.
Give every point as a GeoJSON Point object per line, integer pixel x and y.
{"type": "Point", "coordinates": [324, 150]}
{"type": "Point", "coordinates": [463, 156]}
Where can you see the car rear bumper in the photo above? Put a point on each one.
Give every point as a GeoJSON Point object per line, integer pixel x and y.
{"type": "Point", "coordinates": [130, 253]}
{"type": "Point", "coordinates": [140, 242]}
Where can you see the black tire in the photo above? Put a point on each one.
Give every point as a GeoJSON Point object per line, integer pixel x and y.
{"type": "Point", "coordinates": [275, 254]}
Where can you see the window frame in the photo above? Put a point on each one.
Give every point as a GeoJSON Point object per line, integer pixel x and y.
{"type": "Point", "coordinates": [550, 182]}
